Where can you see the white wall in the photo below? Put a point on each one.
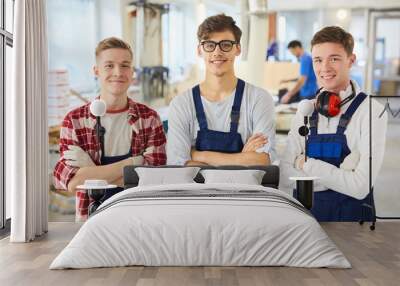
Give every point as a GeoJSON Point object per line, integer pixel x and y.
{"type": "Point", "coordinates": [182, 43]}
{"type": "Point", "coordinates": [358, 28]}
{"type": "Point", "coordinates": [300, 25]}
{"type": "Point", "coordinates": [389, 29]}
{"type": "Point", "coordinates": [108, 18]}
{"type": "Point", "coordinates": [331, 17]}
{"type": "Point", "coordinates": [252, 69]}
{"type": "Point", "coordinates": [72, 39]}
{"type": "Point", "coordinates": [296, 5]}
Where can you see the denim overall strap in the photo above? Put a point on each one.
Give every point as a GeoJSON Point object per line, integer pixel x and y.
{"type": "Point", "coordinates": [105, 160]}
{"type": "Point", "coordinates": [330, 205]}
{"type": "Point", "coordinates": [235, 113]}
{"type": "Point", "coordinates": [200, 114]}
{"type": "Point", "coordinates": [314, 123]}
{"type": "Point", "coordinates": [346, 117]}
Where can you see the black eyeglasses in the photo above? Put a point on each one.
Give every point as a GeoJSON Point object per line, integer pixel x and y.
{"type": "Point", "coordinates": [224, 45]}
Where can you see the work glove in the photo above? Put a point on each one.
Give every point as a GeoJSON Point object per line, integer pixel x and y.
{"type": "Point", "coordinates": [299, 162]}
{"type": "Point", "coordinates": [351, 161]}
{"type": "Point", "coordinates": [76, 157]}
{"type": "Point", "coordinates": [137, 160]}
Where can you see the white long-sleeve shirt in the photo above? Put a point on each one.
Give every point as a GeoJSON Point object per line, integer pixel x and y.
{"type": "Point", "coordinates": [355, 182]}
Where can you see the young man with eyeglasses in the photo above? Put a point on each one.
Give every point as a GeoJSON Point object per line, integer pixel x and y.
{"type": "Point", "coordinates": [222, 121]}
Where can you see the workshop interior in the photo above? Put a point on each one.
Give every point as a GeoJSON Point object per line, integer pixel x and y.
{"type": "Point", "coordinates": [189, 221]}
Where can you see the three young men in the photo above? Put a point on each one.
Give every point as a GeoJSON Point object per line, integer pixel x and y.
{"type": "Point", "coordinates": [225, 121]}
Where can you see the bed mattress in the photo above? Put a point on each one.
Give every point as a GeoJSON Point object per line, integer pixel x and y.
{"type": "Point", "coordinates": [201, 225]}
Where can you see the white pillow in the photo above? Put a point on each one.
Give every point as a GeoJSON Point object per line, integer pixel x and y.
{"type": "Point", "coordinates": [166, 176]}
{"type": "Point", "coordinates": [248, 177]}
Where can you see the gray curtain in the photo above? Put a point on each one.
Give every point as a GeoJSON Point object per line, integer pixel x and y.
{"type": "Point", "coordinates": [27, 148]}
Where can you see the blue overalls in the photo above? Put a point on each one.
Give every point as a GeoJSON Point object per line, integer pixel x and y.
{"type": "Point", "coordinates": [332, 148]}
{"type": "Point", "coordinates": [105, 160]}
{"type": "Point", "coordinates": [211, 140]}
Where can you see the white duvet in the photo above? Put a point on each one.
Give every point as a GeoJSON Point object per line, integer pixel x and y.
{"type": "Point", "coordinates": [183, 230]}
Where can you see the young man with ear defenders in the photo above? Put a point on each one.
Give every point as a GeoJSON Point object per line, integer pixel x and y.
{"type": "Point", "coordinates": [338, 142]}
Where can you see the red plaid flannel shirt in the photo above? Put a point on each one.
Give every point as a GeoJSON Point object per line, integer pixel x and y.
{"type": "Point", "coordinates": [148, 140]}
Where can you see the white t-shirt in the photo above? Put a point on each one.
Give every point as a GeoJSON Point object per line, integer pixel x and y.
{"type": "Point", "coordinates": [118, 136]}
{"type": "Point", "coordinates": [348, 182]}
{"type": "Point", "coordinates": [256, 116]}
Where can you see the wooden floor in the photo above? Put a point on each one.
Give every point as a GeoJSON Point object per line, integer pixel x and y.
{"type": "Point", "coordinates": [375, 256]}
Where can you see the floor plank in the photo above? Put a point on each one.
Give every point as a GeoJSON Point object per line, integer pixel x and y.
{"type": "Point", "coordinates": [374, 255]}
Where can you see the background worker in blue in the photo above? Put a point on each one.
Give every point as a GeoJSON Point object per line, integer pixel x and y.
{"type": "Point", "coordinates": [223, 120]}
{"type": "Point", "coordinates": [338, 144]}
{"type": "Point", "coordinates": [306, 85]}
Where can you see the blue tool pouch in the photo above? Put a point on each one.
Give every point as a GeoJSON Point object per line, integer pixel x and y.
{"type": "Point", "coordinates": [217, 141]}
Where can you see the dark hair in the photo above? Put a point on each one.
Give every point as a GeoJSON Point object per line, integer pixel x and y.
{"type": "Point", "coordinates": [113, 43]}
{"type": "Point", "coordinates": [218, 23]}
{"type": "Point", "coordinates": [294, 44]}
{"type": "Point", "coordinates": [334, 34]}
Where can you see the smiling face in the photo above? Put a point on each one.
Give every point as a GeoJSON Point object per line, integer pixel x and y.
{"type": "Point", "coordinates": [332, 66]}
{"type": "Point", "coordinates": [114, 71]}
{"type": "Point", "coordinates": [218, 62]}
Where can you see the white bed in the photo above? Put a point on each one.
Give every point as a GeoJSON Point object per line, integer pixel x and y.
{"type": "Point", "coordinates": [201, 224]}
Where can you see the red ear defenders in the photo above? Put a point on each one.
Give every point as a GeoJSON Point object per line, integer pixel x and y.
{"type": "Point", "coordinates": [328, 103]}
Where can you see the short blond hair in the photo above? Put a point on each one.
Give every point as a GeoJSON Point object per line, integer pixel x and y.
{"type": "Point", "coordinates": [113, 43]}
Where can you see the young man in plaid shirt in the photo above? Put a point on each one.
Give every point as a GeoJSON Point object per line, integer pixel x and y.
{"type": "Point", "coordinates": [134, 133]}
